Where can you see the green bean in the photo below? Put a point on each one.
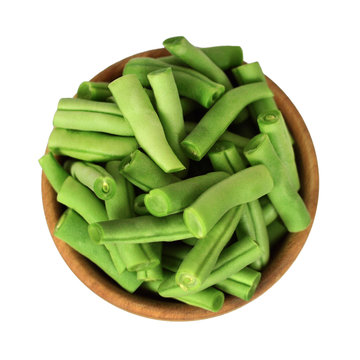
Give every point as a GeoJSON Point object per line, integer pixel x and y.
{"type": "Point", "coordinates": [251, 73]}
{"type": "Point", "coordinates": [269, 213]}
{"type": "Point", "coordinates": [225, 57]}
{"type": "Point", "coordinates": [54, 172]}
{"type": "Point", "coordinates": [246, 225]}
{"type": "Point", "coordinates": [196, 59]}
{"type": "Point", "coordinates": [141, 171]}
{"type": "Point", "coordinates": [219, 117]}
{"type": "Point", "coordinates": [169, 287]}
{"type": "Point", "coordinates": [209, 299]}
{"type": "Point", "coordinates": [156, 272]}
{"type": "Point", "coordinates": [261, 235]}
{"type": "Point", "coordinates": [276, 232]}
{"type": "Point", "coordinates": [190, 83]}
{"type": "Point", "coordinates": [174, 198]}
{"type": "Point", "coordinates": [139, 205]}
{"type": "Point", "coordinates": [72, 229]}
{"type": "Point", "coordinates": [273, 124]}
{"type": "Point", "coordinates": [137, 109]}
{"type": "Point", "coordinates": [169, 109]}
{"type": "Point", "coordinates": [244, 186]}
{"type": "Point", "coordinates": [287, 202]}
{"type": "Point", "coordinates": [95, 177]}
{"type": "Point", "coordinates": [141, 229]}
{"type": "Point", "coordinates": [77, 196]}
{"type": "Point", "coordinates": [136, 257]}
{"type": "Point", "coordinates": [90, 146]}
{"type": "Point", "coordinates": [92, 121]}
{"type": "Point", "coordinates": [76, 104]}
{"type": "Point", "coordinates": [239, 141]}
{"type": "Point", "coordinates": [225, 157]}
{"type": "Point", "coordinates": [93, 91]}
{"type": "Point", "coordinates": [242, 284]}
{"type": "Point", "coordinates": [201, 259]}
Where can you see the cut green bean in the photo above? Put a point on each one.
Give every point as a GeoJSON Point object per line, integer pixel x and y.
{"type": "Point", "coordinates": [76, 104]}
{"type": "Point", "coordinates": [252, 73]}
{"type": "Point", "coordinates": [242, 284]}
{"type": "Point", "coordinates": [287, 202]}
{"type": "Point", "coordinates": [77, 196]}
{"type": "Point", "coordinates": [244, 186]}
{"type": "Point", "coordinates": [225, 157]}
{"type": "Point", "coordinates": [90, 146]}
{"type": "Point", "coordinates": [169, 287]}
{"type": "Point", "coordinates": [136, 257]}
{"type": "Point", "coordinates": [201, 259]}
{"type": "Point", "coordinates": [196, 59]}
{"type": "Point", "coordinates": [155, 273]}
{"type": "Point", "coordinates": [261, 234]}
{"type": "Point", "coordinates": [273, 124]}
{"type": "Point", "coordinates": [92, 90]}
{"type": "Point", "coordinates": [138, 110]}
{"type": "Point", "coordinates": [169, 109]}
{"type": "Point", "coordinates": [141, 229]}
{"type": "Point", "coordinates": [269, 213]}
{"type": "Point", "coordinates": [239, 141]}
{"type": "Point", "coordinates": [95, 177]}
{"type": "Point", "coordinates": [174, 198]}
{"type": "Point", "coordinates": [141, 171]}
{"type": "Point", "coordinates": [72, 229]}
{"type": "Point", "coordinates": [139, 205]}
{"type": "Point", "coordinates": [190, 83]}
{"type": "Point", "coordinates": [92, 121]}
{"type": "Point", "coordinates": [225, 57]}
{"type": "Point", "coordinates": [54, 172]}
{"type": "Point", "coordinates": [220, 116]}
{"type": "Point", "coordinates": [209, 299]}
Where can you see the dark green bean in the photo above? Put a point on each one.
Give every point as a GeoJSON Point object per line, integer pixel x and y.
{"type": "Point", "coordinates": [139, 205]}
{"type": "Point", "coordinates": [220, 116]}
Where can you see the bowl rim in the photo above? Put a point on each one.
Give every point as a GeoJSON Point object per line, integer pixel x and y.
{"type": "Point", "coordinates": [168, 309]}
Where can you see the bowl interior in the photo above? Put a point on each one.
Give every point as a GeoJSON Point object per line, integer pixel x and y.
{"type": "Point", "coordinates": [151, 306]}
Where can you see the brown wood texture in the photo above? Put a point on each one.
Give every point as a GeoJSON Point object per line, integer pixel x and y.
{"type": "Point", "coordinates": [166, 309]}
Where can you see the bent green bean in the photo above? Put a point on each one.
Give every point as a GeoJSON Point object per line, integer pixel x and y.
{"type": "Point", "coordinates": [220, 116]}
{"type": "Point", "coordinates": [149, 133]}
{"type": "Point", "coordinates": [225, 57]}
{"type": "Point", "coordinates": [92, 90]}
{"type": "Point", "coordinates": [169, 109]}
{"type": "Point", "coordinates": [92, 121]}
{"type": "Point", "coordinates": [196, 59]}
{"type": "Point", "coordinates": [273, 124]}
{"type": "Point", "coordinates": [141, 229]}
{"type": "Point", "coordinates": [201, 259]}
{"type": "Point", "coordinates": [287, 202]}
{"type": "Point", "coordinates": [95, 177]}
{"type": "Point", "coordinates": [54, 172]}
{"type": "Point", "coordinates": [72, 229]}
{"type": "Point", "coordinates": [190, 83]}
{"type": "Point", "coordinates": [90, 146]}
{"type": "Point", "coordinates": [175, 197]}
{"type": "Point", "coordinates": [137, 168]}
{"type": "Point", "coordinates": [244, 186]}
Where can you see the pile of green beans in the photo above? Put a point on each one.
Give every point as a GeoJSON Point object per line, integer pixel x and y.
{"type": "Point", "coordinates": [163, 187]}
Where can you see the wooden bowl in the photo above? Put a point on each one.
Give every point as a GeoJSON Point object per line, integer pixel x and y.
{"type": "Point", "coordinates": [167, 309]}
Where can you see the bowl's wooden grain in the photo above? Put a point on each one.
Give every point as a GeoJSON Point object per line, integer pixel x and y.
{"type": "Point", "coordinates": [166, 309]}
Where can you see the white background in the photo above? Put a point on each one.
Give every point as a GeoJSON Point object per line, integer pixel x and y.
{"type": "Point", "coordinates": [310, 49]}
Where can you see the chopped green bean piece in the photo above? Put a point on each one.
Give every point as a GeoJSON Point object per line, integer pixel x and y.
{"type": "Point", "coordinates": [92, 90]}
{"type": "Point", "coordinates": [139, 205]}
{"type": "Point", "coordinates": [54, 172]}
